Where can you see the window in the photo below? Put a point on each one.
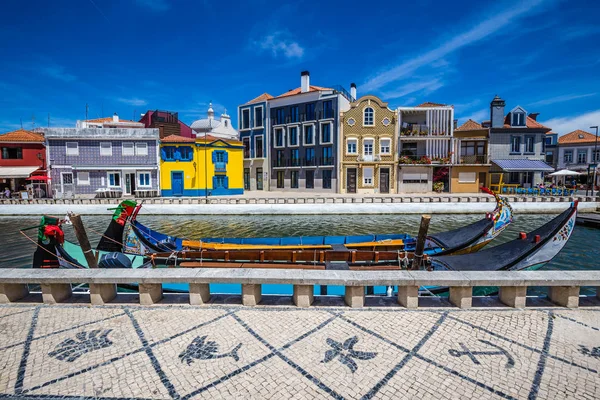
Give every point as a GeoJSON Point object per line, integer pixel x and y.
{"type": "Point", "coordinates": [258, 117]}
{"type": "Point", "coordinates": [327, 156]}
{"type": "Point", "coordinates": [186, 153]}
{"type": "Point", "coordinates": [280, 179]}
{"type": "Point", "coordinates": [326, 179]}
{"type": "Point", "coordinates": [514, 177]}
{"type": "Point", "coordinates": [12, 153]}
{"type": "Point", "coordinates": [293, 136]}
{"type": "Point", "coordinates": [325, 133]}
{"type": "Point", "coordinates": [280, 158]}
{"type": "Point", "coordinates": [310, 179]}
{"type": "Point", "coordinates": [246, 142]}
{"type": "Point", "coordinates": [219, 159]}
{"type": "Point", "coordinates": [548, 141]}
{"type": "Point", "coordinates": [308, 135]}
{"type": "Point", "coordinates": [105, 148]}
{"type": "Point", "coordinates": [294, 182]}
{"type": "Point", "coordinates": [368, 176]}
{"type": "Point", "coordinates": [515, 144]}
{"type": "Point", "coordinates": [245, 118]}
{"type": "Point", "coordinates": [114, 179]}
{"type": "Point", "coordinates": [258, 147]}
{"type": "Point", "coordinates": [72, 148]}
{"type": "Point", "coordinates": [309, 157]}
{"type": "Point", "coordinates": [83, 178]}
{"type": "Point", "coordinates": [368, 147]}
{"type": "Point", "coordinates": [467, 177]}
{"type": "Point", "coordinates": [67, 178]}
{"type": "Point", "coordinates": [279, 116]}
{"type": "Point", "coordinates": [226, 124]}
{"type": "Point", "coordinates": [409, 149]}
{"type": "Point", "coordinates": [168, 153]}
{"type": "Point", "coordinates": [128, 149]}
{"type": "Point", "coordinates": [529, 144]}
{"type": "Point", "coordinates": [328, 109]}
{"type": "Point", "coordinates": [220, 182]}
{"type": "Point", "coordinates": [550, 157]}
{"type": "Point", "coordinates": [310, 112]}
{"type": "Point", "coordinates": [595, 156]}
{"type": "Point", "coordinates": [279, 137]}
{"type": "Point", "coordinates": [295, 157]}
{"type": "Point", "coordinates": [141, 149]}
{"type": "Point", "coordinates": [384, 146]}
{"type": "Point", "coordinates": [518, 119]}
{"type": "Point", "coordinates": [351, 146]}
{"type": "Point", "coordinates": [368, 116]}
{"type": "Point", "coordinates": [568, 156]}
{"type": "Point", "coordinates": [144, 179]}
{"type": "Point", "coordinates": [582, 157]}
{"type": "Point", "coordinates": [294, 115]}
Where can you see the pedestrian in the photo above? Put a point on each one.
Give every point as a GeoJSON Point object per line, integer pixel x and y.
{"type": "Point", "coordinates": [7, 193]}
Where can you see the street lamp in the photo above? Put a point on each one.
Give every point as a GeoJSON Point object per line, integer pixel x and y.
{"type": "Point", "coordinates": [595, 158]}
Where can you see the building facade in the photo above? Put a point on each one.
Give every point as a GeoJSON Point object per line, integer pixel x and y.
{"type": "Point", "coordinates": [517, 146]}
{"type": "Point", "coordinates": [578, 151]}
{"type": "Point", "coordinates": [304, 136]}
{"type": "Point", "coordinates": [167, 123]}
{"type": "Point", "coordinates": [204, 166]}
{"type": "Point", "coordinates": [253, 125]}
{"type": "Point", "coordinates": [425, 147]}
{"type": "Point", "coordinates": [368, 147]}
{"type": "Point", "coordinates": [471, 163]}
{"type": "Point", "coordinates": [552, 149]}
{"type": "Point", "coordinates": [108, 122]}
{"type": "Point", "coordinates": [22, 160]}
{"type": "Point", "coordinates": [85, 162]}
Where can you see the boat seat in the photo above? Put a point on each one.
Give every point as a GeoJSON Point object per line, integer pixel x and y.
{"type": "Point", "coordinates": [339, 247]}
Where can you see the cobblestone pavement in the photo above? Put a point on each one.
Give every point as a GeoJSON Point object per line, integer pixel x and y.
{"type": "Point", "coordinates": [162, 352]}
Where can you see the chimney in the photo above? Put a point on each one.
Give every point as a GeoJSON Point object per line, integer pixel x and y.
{"type": "Point", "coordinates": [497, 112]}
{"type": "Point", "coordinates": [304, 82]}
{"type": "Point", "coordinates": [353, 91]}
{"type": "Point", "coordinates": [455, 124]}
{"type": "Point", "coordinates": [534, 116]}
{"type": "Point", "coordinates": [115, 117]}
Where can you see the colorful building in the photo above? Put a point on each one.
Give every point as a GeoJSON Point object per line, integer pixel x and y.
{"type": "Point", "coordinates": [93, 162]}
{"type": "Point", "coordinates": [579, 151]}
{"type": "Point", "coordinates": [253, 125]}
{"type": "Point", "coordinates": [368, 147]}
{"type": "Point", "coordinates": [167, 123]}
{"type": "Point", "coordinates": [471, 165]}
{"type": "Point", "coordinates": [205, 166]}
{"type": "Point", "coordinates": [22, 160]}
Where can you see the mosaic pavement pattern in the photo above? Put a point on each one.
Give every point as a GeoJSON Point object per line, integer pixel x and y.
{"type": "Point", "coordinates": [184, 352]}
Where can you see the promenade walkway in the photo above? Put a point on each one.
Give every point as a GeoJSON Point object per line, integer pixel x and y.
{"type": "Point", "coordinates": [229, 351]}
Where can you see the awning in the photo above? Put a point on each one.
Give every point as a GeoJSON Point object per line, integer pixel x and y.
{"type": "Point", "coordinates": [522, 165]}
{"type": "Point", "coordinates": [39, 178]}
{"type": "Point", "coordinates": [16, 172]}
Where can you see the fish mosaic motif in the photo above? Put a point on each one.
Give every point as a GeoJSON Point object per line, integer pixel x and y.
{"type": "Point", "coordinates": [201, 349]}
{"type": "Point", "coordinates": [586, 351]}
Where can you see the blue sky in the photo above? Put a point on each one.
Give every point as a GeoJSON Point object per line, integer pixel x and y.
{"type": "Point", "coordinates": [129, 56]}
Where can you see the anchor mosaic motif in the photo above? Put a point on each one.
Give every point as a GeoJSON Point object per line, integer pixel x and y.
{"type": "Point", "coordinates": [201, 349]}
{"type": "Point", "coordinates": [465, 351]}
{"type": "Point", "coordinates": [346, 353]}
{"type": "Point", "coordinates": [70, 350]}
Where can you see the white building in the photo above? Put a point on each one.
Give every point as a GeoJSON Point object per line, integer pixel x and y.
{"type": "Point", "coordinates": [108, 122]}
{"type": "Point", "coordinates": [219, 128]}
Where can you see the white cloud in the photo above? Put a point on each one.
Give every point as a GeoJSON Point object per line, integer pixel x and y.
{"type": "Point", "coordinates": [568, 124]}
{"type": "Point", "coordinates": [154, 5]}
{"type": "Point", "coordinates": [458, 107]}
{"type": "Point", "coordinates": [279, 43]}
{"type": "Point", "coordinates": [424, 87]}
{"type": "Point", "coordinates": [478, 116]}
{"type": "Point", "coordinates": [479, 32]}
{"type": "Point", "coordinates": [561, 99]}
{"type": "Point", "coordinates": [57, 72]}
{"type": "Point", "coordinates": [133, 101]}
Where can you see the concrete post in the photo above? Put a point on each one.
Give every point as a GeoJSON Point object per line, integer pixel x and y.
{"type": "Point", "coordinates": [303, 295]}
{"type": "Point", "coordinates": [598, 292]}
{"type": "Point", "coordinates": [355, 296]}
{"type": "Point", "coordinates": [408, 296]}
{"type": "Point", "coordinates": [199, 294]}
{"type": "Point", "coordinates": [101, 293]}
{"type": "Point", "coordinates": [513, 296]}
{"type": "Point", "coordinates": [566, 296]}
{"type": "Point", "coordinates": [150, 293]}
{"type": "Point", "coordinates": [461, 296]}
{"type": "Point", "coordinates": [10, 292]}
{"type": "Point", "coordinates": [251, 294]}
{"type": "Point", "coordinates": [56, 292]}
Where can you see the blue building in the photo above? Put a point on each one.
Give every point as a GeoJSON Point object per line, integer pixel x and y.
{"type": "Point", "coordinates": [253, 126]}
{"type": "Point", "coordinates": [552, 149]}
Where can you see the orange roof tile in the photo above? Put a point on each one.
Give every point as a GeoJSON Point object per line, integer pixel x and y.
{"type": "Point", "coordinates": [177, 139]}
{"type": "Point", "coordinates": [262, 97]}
{"type": "Point", "coordinates": [578, 137]}
{"type": "Point", "coordinates": [296, 91]}
{"type": "Point", "coordinates": [21, 135]}
{"type": "Point", "coordinates": [470, 125]}
{"type": "Point", "coordinates": [107, 119]}
{"type": "Point", "coordinates": [430, 104]}
{"type": "Point", "coordinates": [530, 122]}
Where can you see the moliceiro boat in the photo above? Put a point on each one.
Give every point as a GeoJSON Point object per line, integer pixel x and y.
{"type": "Point", "coordinates": [139, 239]}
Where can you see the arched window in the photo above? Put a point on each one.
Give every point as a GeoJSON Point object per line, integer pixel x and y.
{"type": "Point", "coordinates": [368, 116]}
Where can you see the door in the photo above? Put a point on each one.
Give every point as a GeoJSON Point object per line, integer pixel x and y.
{"type": "Point", "coordinates": [177, 183]}
{"type": "Point", "coordinates": [310, 179]}
{"type": "Point", "coordinates": [259, 179]}
{"type": "Point", "coordinates": [246, 178]}
{"type": "Point", "coordinates": [482, 179]}
{"type": "Point", "coordinates": [351, 180]}
{"type": "Point", "coordinates": [130, 183]}
{"type": "Point", "coordinates": [384, 180]}
{"type": "Point", "coordinates": [66, 184]}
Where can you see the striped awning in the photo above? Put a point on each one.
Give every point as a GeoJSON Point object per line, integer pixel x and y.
{"type": "Point", "coordinates": [522, 165]}
{"type": "Point", "coordinates": [16, 172]}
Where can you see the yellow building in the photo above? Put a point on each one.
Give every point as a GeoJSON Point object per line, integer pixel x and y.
{"type": "Point", "coordinates": [368, 147]}
{"type": "Point", "coordinates": [472, 165]}
{"type": "Point", "coordinates": [191, 167]}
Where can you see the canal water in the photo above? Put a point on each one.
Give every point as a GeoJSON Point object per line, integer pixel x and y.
{"type": "Point", "coordinates": [582, 252]}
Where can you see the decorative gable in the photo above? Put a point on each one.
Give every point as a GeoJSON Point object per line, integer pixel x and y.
{"type": "Point", "coordinates": [518, 117]}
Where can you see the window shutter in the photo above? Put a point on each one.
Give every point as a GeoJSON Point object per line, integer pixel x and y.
{"type": "Point", "coordinates": [226, 183]}
{"type": "Point", "coordinates": [214, 156]}
{"type": "Point", "coordinates": [226, 157]}
{"type": "Point", "coordinates": [163, 154]}
{"type": "Point", "coordinates": [214, 184]}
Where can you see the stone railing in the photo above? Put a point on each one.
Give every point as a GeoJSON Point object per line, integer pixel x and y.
{"type": "Point", "coordinates": [56, 284]}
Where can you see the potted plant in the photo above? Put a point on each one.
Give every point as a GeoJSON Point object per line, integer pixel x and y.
{"type": "Point", "coordinates": [438, 187]}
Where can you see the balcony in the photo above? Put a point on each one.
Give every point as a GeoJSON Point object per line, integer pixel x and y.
{"type": "Point", "coordinates": [326, 161]}
{"type": "Point", "coordinates": [420, 130]}
{"type": "Point", "coordinates": [220, 167]}
{"type": "Point", "coordinates": [423, 159]}
{"type": "Point", "coordinates": [159, 116]}
{"type": "Point", "coordinates": [474, 159]}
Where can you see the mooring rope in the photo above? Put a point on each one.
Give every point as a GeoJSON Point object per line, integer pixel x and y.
{"type": "Point", "coordinates": [49, 252]}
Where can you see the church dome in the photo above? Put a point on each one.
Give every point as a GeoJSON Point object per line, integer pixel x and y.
{"type": "Point", "coordinates": [208, 123]}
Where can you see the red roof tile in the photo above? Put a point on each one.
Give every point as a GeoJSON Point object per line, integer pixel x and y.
{"type": "Point", "coordinates": [107, 119]}
{"type": "Point", "coordinates": [430, 104]}
{"type": "Point", "coordinates": [21, 135]}
{"type": "Point", "coordinates": [470, 125]}
{"type": "Point", "coordinates": [177, 139]}
{"type": "Point", "coordinates": [296, 91]}
{"type": "Point", "coordinates": [262, 97]}
{"type": "Point", "coordinates": [531, 123]}
{"type": "Point", "coordinates": [578, 137]}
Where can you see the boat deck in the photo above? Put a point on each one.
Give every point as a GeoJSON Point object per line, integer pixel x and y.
{"type": "Point", "coordinates": [592, 220]}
